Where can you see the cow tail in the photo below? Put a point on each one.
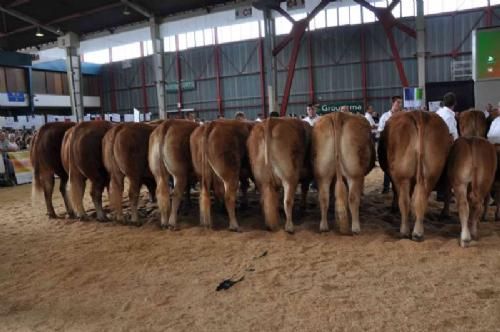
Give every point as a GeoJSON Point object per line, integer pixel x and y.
{"type": "Point", "coordinates": [267, 141]}
{"type": "Point", "coordinates": [161, 156]}
{"type": "Point", "coordinates": [474, 199]}
{"type": "Point", "coordinates": [204, 156]}
{"type": "Point", "coordinates": [336, 134]}
{"type": "Point", "coordinates": [36, 185]}
{"type": "Point", "coordinates": [420, 149]}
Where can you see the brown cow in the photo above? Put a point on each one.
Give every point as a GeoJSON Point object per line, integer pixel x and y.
{"type": "Point", "coordinates": [45, 155]}
{"type": "Point", "coordinates": [279, 155]}
{"type": "Point", "coordinates": [472, 123]}
{"type": "Point", "coordinates": [169, 155]}
{"type": "Point", "coordinates": [342, 150]}
{"type": "Point", "coordinates": [125, 154]}
{"type": "Point", "coordinates": [413, 149]}
{"type": "Point", "coordinates": [223, 152]}
{"type": "Point", "coordinates": [83, 160]}
{"type": "Point", "coordinates": [471, 170]}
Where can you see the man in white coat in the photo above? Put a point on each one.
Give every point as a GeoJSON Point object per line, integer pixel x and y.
{"type": "Point", "coordinates": [447, 113]}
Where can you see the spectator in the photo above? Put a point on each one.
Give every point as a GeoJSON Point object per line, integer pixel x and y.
{"type": "Point", "coordinates": [274, 114]}
{"type": "Point", "coordinates": [191, 117]}
{"type": "Point", "coordinates": [12, 143]}
{"type": "Point", "coordinates": [369, 117]}
{"type": "Point", "coordinates": [220, 116]}
{"type": "Point", "coordinates": [311, 117]}
{"type": "Point", "coordinates": [240, 116]}
{"type": "Point", "coordinates": [494, 132]}
{"type": "Point", "coordinates": [397, 102]}
{"type": "Point", "coordinates": [448, 115]}
{"type": "Point", "coordinates": [259, 117]}
{"type": "Point", "coordinates": [344, 108]}
{"type": "Point", "coordinates": [489, 109]}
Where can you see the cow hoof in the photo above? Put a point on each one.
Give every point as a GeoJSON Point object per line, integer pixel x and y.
{"type": "Point", "coordinates": [417, 237]}
{"type": "Point", "coordinates": [52, 216]}
{"type": "Point", "coordinates": [163, 226]}
{"type": "Point", "coordinates": [136, 224]}
{"type": "Point", "coordinates": [290, 229]}
{"type": "Point", "coordinates": [83, 218]}
{"type": "Point", "coordinates": [324, 229]}
{"type": "Point", "coordinates": [464, 243]}
{"type": "Point", "coordinates": [404, 236]}
{"type": "Point", "coordinates": [356, 231]}
{"type": "Point", "coordinates": [173, 228]}
{"type": "Point", "coordinates": [234, 229]}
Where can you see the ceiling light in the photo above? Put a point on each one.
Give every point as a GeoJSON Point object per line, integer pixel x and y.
{"type": "Point", "coordinates": [126, 11]}
{"type": "Point", "coordinates": [39, 33]}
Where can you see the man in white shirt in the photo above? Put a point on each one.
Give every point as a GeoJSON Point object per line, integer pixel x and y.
{"type": "Point", "coordinates": [311, 117]}
{"type": "Point", "coordinates": [369, 117]}
{"type": "Point", "coordinates": [396, 106]}
{"type": "Point", "coordinates": [448, 115]}
{"type": "Point", "coordinates": [494, 132]}
{"type": "Point", "coordinates": [259, 117]}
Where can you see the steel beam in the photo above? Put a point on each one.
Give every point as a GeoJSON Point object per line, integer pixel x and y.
{"type": "Point", "coordinates": [270, 63]}
{"type": "Point", "coordinates": [218, 74]}
{"type": "Point", "coordinates": [420, 23]}
{"type": "Point", "coordinates": [143, 80]}
{"type": "Point", "coordinates": [138, 8]}
{"type": "Point", "coordinates": [158, 60]}
{"type": "Point", "coordinates": [30, 20]}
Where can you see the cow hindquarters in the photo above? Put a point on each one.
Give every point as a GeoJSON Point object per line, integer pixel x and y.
{"type": "Point", "coordinates": [355, 189]}
{"type": "Point", "coordinates": [180, 183]}
{"type": "Point", "coordinates": [115, 196]}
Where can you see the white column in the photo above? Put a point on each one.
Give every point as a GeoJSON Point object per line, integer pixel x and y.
{"type": "Point", "coordinates": [270, 63]}
{"type": "Point", "coordinates": [420, 24]}
{"type": "Point", "coordinates": [71, 42]}
{"type": "Point", "coordinates": [158, 62]}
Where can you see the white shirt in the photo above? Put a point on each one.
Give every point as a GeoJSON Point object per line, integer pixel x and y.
{"type": "Point", "coordinates": [369, 117]}
{"type": "Point", "coordinates": [383, 120]}
{"type": "Point", "coordinates": [494, 132]}
{"type": "Point", "coordinates": [449, 118]}
{"type": "Point", "coordinates": [310, 120]}
{"type": "Point", "coordinates": [258, 120]}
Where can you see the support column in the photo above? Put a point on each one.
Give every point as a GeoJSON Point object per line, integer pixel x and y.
{"type": "Point", "coordinates": [143, 80]}
{"type": "Point", "coordinates": [270, 61]}
{"type": "Point", "coordinates": [178, 74]}
{"type": "Point", "coordinates": [218, 73]}
{"type": "Point", "coordinates": [420, 25]}
{"type": "Point", "coordinates": [71, 42]}
{"type": "Point", "coordinates": [158, 62]}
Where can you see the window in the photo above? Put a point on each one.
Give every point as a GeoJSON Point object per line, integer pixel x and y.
{"type": "Point", "coordinates": [343, 15]}
{"type": "Point", "coordinates": [16, 80]}
{"type": "Point", "coordinates": [181, 39]}
{"type": "Point", "coordinates": [38, 81]}
{"type": "Point", "coordinates": [368, 16]}
{"type": "Point", "coordinates": [397, 11]}
{"type": "Point", "coordinates": [355, 14]}
{"type": "Point", "coordinates": [408, 8]}
{"type": "Point", "coordinates": [148, 47]}
{"type": "Point", "coordinates": [125, 52]}
{"type": "Point", "coordinates": [209, 36]}
{"type": "Point", "coordinates": [100, 57]}
{"type": "Point", "coordinates": [198, 38]}
{"type": "Point", "coordinates": [331, 17]}
{"type": "Point", "coordinates": [190, 41]}
{"type": "Point", "coordinates": [169, 44]}
{"type": "Point", "coordinates": [319, 21]}
{"type": "Point", "coordinates": [3, 83]}
{"type": "Point", "coordinates": [237, 32]}
{"type": "Point", "coordinates": [283, 26]}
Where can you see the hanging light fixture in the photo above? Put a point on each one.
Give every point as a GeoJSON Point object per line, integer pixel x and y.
{"type": "Point", "coordinates": [39, 33]}
{"type": "Point", "coordinates": [126, 11]}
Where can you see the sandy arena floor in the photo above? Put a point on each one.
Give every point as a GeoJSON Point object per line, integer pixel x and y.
{"type": "Point", "coordinates": [86, 276]}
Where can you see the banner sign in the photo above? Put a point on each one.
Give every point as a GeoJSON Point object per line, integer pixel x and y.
{"type": "Point", "coordinates": [243, 12]}
{"type": "Point", "coordinates": [15, 96]}
{"type": "Point", "coordinates": [22, 166]}
{"type": "Point", "coordinates": [412, 97]}
{"type": "Point", "coordinates": [354, 107]}
{"type": "Point", "coordinates": [185, 86]}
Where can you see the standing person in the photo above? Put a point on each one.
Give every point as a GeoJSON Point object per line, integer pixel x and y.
{"type": "Point", "coordinates": [344, 109]}
{"type": "Point", "coordinates": [397, 102]}
{"type": "Point", "coordinates": [191, 117]}
{"type": "Point", "coordinates": [494, 131]}
{"type": "Point", "coordinates": [259, 117]}
{"type": "Point", "coordinates": [311, 117]}
{"type": "Point", "coordinates": [369, 117]}
{"type": "Point", "coordinates": [240, 116]}
{"type": "Point", "coordinates": [448, 115]}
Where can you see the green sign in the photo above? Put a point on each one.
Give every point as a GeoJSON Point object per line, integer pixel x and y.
{"type": "Point", "coordinates": [185, 86]}
{"type": "Point", "coordinates": [353, 106]}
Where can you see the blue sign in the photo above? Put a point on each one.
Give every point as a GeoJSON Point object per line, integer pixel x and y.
{"type": "Point", "coordinates": [15, 96]}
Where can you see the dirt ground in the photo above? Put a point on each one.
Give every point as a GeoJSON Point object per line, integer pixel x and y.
{"type": "Point", "coordinates": [89, 276]}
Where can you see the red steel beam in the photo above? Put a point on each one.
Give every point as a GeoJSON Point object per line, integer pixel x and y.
{"type": "Point", "coordinates": [143, 80]}
{"type": "Point", "coordinates": [389, 22]}
{"type": "Point", "coordinates": [179, 73]}
{"type": "Point", "coordinates": [262, 74]}
{"type": "Point", "coordinates": [217, 74]}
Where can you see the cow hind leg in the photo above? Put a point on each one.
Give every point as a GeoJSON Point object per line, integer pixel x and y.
{"type": "Point", "coordinates": [324, 202]}
{"type": "Point", "coordinates": [62, 189]}
{"type": "Point", "coordinates": [269, 200]}
{"type": "Point", "coordinates": [420, 200]}
{"type": "Point", "coordinates": [475, 214]}
{"type": "Point", "coordinates": [231, 190]}
{"type": "Point", "coordinates": [47, 181]}
{"type": "Point", "coordinates": [463, 214]}
{"type": "Point", "coordinates": [133, 195]}
{"type": "Point", "coordinates": [404, 207]}
{"type": "Point", "coordinates": [355, 190]}
{"type": "Point", "coordinates": [116, 195]}
{"type": "Point", "coordinates": [341, 206]}
{"type": "Point", "coordinates": [76, 191]}
{"type": "Point", "coordinates": [180, 183]}
{"type": "Point", "coordinates": [289, 188]}
{"type": "Point", "coordinates": [96, 192]}
{"type": "Point", "coordinates": [205, 205]}
{"type": "Point", "coordinates": [163, 198]}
